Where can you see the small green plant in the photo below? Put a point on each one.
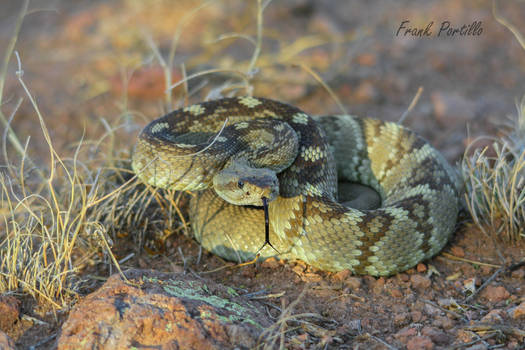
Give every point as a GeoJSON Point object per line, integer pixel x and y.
{"type": "Point", "coordinates": [495, 184]}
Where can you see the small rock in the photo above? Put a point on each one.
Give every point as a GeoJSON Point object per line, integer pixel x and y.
{"type": "Point", "coordinates": [378, 286]}
{"type": "Point", "coordinates": [464, 336]}
{"type": "Point", "coordinates": [443, 322]}
{"type": "Point", "coordinates": [9, 309]}
{"type": "Point", "coordinates": [421, 267]}
{"type": "Point", "coordinates": [457, 251]}
{"type": "Point", "coordinates": [416, 316]}
{"type": "Point", "coordinates": [298, 269]}
{"type": "Point", "coordinates": [6, 343]}
{"type": "Point", "coordinates": [271, 263]}
{"type": "Point", "coordinates": [403, 277]}
{"type": "Point", "coordinates": [420, 282]}
{"type": "Point", "coordinates": [469, 285]}
{"type": "Point", "coordinates": [495, 293]}
{"type": "Point", "coordinates": [437, 336]}
{"type": "Point", "coordinates": [395, 292]}
{"type": "Point", "coordinates": [353, 282]}
{"type": "Point", "coordinates": [165, 311]}
{"type": "Point", "coordinates": [341, 276]}
{"type": "Point", "coordinates": [420, 342]}
{"type": "Point", "coordinates": [401, 319]}
{"type": "Point", "coordinates": [494, 316]}
{"type": "Point", "coordinates": [519, 312]}
{"type": "Point", "coordinates": [519, 273]}
{"type": "Point", "coordinates": [431, 310]}
{"type": "Point", "coordinates": [486, 270]}
{"type": "Point", "coordinates": [311, 277]}
{"type": "Point", "coordinates": [404, 334]}
{"type": "Point", "coordinates": [511, 345]}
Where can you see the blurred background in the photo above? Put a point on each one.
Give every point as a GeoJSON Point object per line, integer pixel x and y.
{"type": "Point", "coordinates": [91, 63]}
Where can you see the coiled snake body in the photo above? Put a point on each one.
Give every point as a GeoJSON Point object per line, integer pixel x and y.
{"type": "Point", "coordinates": [271, 149]}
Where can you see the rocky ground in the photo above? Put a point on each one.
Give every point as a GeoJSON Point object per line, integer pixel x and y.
{"type": "Point", "coordinates": [76, 58]}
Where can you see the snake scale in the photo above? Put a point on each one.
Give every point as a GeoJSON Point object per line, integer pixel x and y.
{"type": "Point", "coordinates": [245, 146]}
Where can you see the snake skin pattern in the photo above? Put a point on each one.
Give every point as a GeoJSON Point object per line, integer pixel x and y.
{"type": "Point", "coordinates": [418, 188]}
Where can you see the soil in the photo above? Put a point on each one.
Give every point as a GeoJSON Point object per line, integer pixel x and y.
{"type": "Point", "coordinates": [75, 55]}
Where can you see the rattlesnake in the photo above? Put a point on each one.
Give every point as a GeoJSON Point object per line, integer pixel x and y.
{"type": "Point", "coordinates": [194, 149]}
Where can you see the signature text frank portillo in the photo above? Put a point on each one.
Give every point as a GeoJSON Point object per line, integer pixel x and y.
{"type": "Point", "coordinates": [446, 29]}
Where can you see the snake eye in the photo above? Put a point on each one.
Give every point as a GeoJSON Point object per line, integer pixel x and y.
{"type": "Point", "coordinates": [240, 183]}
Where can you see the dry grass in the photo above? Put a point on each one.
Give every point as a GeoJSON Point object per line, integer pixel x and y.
{"type": "Point", "coordinates": [61, 217]}
{"type": "Point", "coordinates": [495, 184]}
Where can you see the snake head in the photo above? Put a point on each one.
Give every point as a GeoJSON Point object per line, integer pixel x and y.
{"type": "Point", "coordinates": [240, 184]}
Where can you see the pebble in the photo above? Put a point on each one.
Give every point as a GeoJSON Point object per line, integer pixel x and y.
{"type": "Point", "coordinates": [494, 316]}
{"type": "Point", "coordinates": [457, 251]}
{"type": "Point", "coordinates": [443, 322]}
{"type": "Point", "coordinates": [495, 293]}
{"type": "Point", "coordinates": [420, 282]}
{"type": "Point", "coordinates": [421, 267]}
{"type": "Point", "coordinates": [431, 310]}
{"type": "Point", "coordinates": [437, 336]}
{"type": "Point", "coordinates": [403, 277]}
{"type": "Point", "coordinates": [311, 277]}
{"type": "Point", "coordinates": [395, 292]}
{"type": "Point", "coordinates": [354, 282]}
{"type": "Point", "coordinates": [464, 336]}
{"type": "Point", "coordinates": [420, 342]}
{"type": "Point", "coordinates": [346, 277]}
{"type": "Point", "coordinates": [520, 273]}
{"type": "Point", "coordinates": [486, 270]}
{"type": "Point", "coordinates": [404, 334]}
{"type": "Point", "coordinates": [378, 285]}
{"type": "Point", "coordinates": [402, 319]}
{"type": "Point", "coordinates": [417, 316]}
{"type": "Point", "coordinates": [519, 311]}
{"type": "Point", "coordinates": [341, 275]}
